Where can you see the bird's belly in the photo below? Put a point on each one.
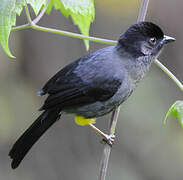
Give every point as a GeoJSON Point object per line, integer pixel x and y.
{"type": "Point", "coordinates": [100, 108]}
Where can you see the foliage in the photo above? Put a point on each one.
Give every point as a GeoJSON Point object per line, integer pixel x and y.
{"type": "Point", "coordinates": [176, 110]}
{"type": "Point", "coordinates": [82, 13]}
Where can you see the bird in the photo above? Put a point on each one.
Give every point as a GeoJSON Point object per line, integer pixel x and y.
{"type": "Point", "coordinates": [96, 84]}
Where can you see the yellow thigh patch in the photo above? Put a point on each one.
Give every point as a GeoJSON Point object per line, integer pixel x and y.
{"type": "Point", "coordinates": [82, 121]}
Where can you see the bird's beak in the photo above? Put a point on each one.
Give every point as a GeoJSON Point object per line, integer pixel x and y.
{"type": "Point", "coordinates": [167, 39]}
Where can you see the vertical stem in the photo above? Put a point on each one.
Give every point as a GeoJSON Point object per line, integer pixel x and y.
{"type": "Point", "coordinates": [115, 114]}
{"type": "Point", "coordinates": [104, 163]}
{"type": "Point", "coordinates": [143, 10]}
{"type": "Point", "coordinates": [107, 148]}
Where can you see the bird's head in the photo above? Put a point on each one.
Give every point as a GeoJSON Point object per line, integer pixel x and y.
{"type": "Point", "coordinates": [144, 39]}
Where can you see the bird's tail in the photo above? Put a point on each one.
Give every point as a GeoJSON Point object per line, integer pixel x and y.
{"type": "Point", "coordinates": [31, 135]}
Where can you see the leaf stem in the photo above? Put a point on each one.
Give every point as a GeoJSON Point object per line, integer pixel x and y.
{"type": "Point", "coordinates": [28, 14]}
{"type": "Point", "coordinates": [35, 21]}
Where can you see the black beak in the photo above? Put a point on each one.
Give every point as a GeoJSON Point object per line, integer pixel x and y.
{"type": "Point", "coordinates": [167, 39]}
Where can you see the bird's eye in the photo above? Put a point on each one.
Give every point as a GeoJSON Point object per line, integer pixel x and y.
{"type": "Point", "coordinates": [152, 40]}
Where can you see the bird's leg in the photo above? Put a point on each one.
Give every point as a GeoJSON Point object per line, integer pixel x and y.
{"type": "Point", "coordinates": [109, 139]}
{"type": "Point", "coordinates": [82, 121]}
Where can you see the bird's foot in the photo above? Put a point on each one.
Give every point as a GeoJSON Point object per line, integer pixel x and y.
{"type": "Point", "coordinates": [109, 139]}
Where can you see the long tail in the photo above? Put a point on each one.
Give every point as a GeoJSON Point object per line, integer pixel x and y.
{"type": "Point", "coordinates": [31, 135]}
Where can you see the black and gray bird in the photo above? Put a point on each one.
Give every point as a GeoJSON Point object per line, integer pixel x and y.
{"type": "Point", "coordinates": [96, 84]}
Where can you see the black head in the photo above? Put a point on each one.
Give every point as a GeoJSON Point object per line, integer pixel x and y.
{"type": "Point", "coordinates": [143, 39]}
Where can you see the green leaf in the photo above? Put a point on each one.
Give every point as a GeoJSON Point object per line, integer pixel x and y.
{"type": "Point", "coordinates": [82, 13]}
{"type": "Point", "coordinates": [7, 20]}
{"type": "Point", "coordinates": [8, 11]}
{"type": "Point", "coordinates": [37, 5]}
{"type": "Point", "coordinates": [176, 110]}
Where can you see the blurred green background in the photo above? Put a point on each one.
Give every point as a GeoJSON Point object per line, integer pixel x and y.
{"type": "Point", "coordinates": [145, 149]}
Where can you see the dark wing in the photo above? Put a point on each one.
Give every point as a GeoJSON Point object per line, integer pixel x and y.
{"type": "Point", "coordinates": [79, 93]}
{"type": "Point", "coordinates": [53, 83]}
{"type": "Point", "coordinates": [84, 81]}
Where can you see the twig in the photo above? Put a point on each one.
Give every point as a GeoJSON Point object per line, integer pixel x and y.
{"type": "Point", "coordinates": [143, 10]}
{"type": "Point", "coordinates": [169, 73]}
{"type": "Point", "coordinates": [21, 27]}
{"type": "Point", "coordinates": [75, 35]}
{"type": "Point", "coordinates": [107, 148]}
{"type": "Point", "coordinates": [64, 33]}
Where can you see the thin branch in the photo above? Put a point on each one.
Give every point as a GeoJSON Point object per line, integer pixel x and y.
{"type": "Point", "coordinates": [75, 35]}
{"type": "Point", "coordinates": [21, 27]}
{"type": "Point", "coordinates": [65, 33]}
{"type": "Point", "coordinates": [143, 10]}
{"type": "Point", "coordinates": [170, 74]}
{"type": "Point", "coordinates": [107, 148]}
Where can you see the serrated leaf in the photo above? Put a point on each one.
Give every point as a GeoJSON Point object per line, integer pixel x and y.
{"type": "Point", "coordinates": [57, 4]}
{"type": "Point", "coordinates": [37, 5]}
{"type": "Point", "coordinates": [8, 11]}
{"type": "Point", "coordinates": [82, 13]}
{"type": "Point", "coordinates": [176, 110]}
